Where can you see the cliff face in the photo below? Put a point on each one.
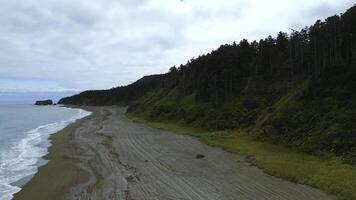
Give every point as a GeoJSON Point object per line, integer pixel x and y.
{"type": "Point", "coordinates": [44, 102]}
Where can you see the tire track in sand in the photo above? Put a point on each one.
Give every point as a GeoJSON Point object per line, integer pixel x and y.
{"type": "Point", "coordinates": [132, 162]}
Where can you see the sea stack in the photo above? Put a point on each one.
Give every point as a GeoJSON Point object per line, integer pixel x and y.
{"type": "Point", "coordinates": [44, 102]}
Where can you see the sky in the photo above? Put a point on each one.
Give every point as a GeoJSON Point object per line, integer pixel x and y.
{"type": "Point", "coordinates": [67, 46]}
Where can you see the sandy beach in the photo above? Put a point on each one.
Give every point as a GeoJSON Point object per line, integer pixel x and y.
{"type": "Point", "coordinates": [107, 156]}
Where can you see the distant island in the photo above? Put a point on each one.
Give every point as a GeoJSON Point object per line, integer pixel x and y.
{"type": "Point", "coordinates": [44, 102]}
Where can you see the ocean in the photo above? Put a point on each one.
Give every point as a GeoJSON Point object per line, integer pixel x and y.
{"type": "Point", "coordinates": [24, 140]}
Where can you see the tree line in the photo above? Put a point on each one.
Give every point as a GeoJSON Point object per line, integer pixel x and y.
{"type": "Point", "coordinates": [327, 47]}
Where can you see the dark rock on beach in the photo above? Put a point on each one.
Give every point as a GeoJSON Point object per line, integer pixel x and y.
{"type": "Point", "coordinates": [199, 156]}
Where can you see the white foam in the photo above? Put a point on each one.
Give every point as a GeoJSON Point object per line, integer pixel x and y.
{"type": "Point", "coordinates": [22, 159]}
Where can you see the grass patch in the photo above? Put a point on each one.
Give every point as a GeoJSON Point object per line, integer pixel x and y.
{"type": "Point", "coordinates": [329, 174]}
{"type": "Point", "coordinates": [171, 126]}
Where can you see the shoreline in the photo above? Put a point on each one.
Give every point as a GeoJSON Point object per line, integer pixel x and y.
{"type": "Point", "coordinates": [60, 172]}
{"type": "Point", "coordinates": [108, 156]}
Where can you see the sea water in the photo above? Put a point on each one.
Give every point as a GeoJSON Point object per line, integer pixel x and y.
{"type": "Point", "coordinates": [24, 140]}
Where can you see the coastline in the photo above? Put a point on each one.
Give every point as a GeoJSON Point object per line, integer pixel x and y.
{"type": "Point", "coordinates": [108, 156]}
{"type": "Point", "coordinates": [61, 172]}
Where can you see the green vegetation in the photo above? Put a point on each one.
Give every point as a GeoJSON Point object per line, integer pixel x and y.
{"type": "Point", "coordinates": [330, 174]}
{"type": "Point", "coordinates": [319, 125]}
{"type": "Point", "coordinates": [296, 91]}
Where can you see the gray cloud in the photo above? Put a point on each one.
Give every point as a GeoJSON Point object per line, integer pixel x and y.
{"type": "Point", "coordinates": [78, 44]}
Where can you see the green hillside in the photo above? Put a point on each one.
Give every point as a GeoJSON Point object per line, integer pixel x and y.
{"type": "Point", "coordinates": [297, 90]}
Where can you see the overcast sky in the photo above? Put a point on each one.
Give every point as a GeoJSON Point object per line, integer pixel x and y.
{"type": "Point", "coordinates": [66, 45]}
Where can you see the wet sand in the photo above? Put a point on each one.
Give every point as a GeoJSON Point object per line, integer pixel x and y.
{"type": "Point", "coordinates": [107, 156]}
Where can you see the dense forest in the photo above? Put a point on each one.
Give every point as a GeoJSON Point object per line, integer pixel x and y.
{"type": "Point", "coordinates": [298, 89]}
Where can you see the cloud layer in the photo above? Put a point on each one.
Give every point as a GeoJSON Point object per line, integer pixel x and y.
{"type": "Point", "coordinates": [77, 44]}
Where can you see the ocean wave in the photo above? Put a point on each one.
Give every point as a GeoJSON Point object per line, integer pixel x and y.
{"type": "Point", "coordinates": [22, 160]}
